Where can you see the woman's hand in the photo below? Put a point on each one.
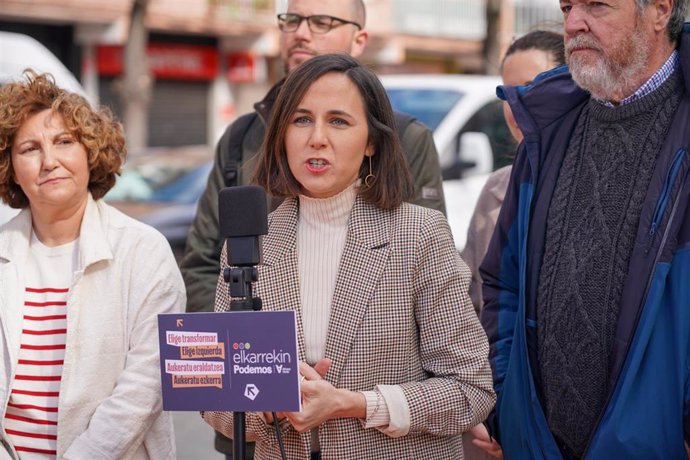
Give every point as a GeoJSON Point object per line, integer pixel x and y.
{"type": "Point", "coordinates": [486, 442]}
{"type": "Point", "coordinates": [321, 401]}
{"type": "Point", "coordinates": [306, 373]}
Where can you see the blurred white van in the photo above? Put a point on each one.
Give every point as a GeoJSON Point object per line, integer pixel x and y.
{"type": "Point", "coordinates": [19, 52]}
{"type": "Point", "coordinates": [462, 112]}
{"type": "Point", "coordinates": [472, 139]}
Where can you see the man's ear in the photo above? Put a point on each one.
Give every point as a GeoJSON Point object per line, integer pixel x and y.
{"type": "Point", "coordinates": [359, 42]}
{"type": "Point", "coordinates": [662, 13]}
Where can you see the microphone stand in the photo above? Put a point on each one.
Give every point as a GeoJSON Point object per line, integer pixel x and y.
{"type": "Point", "coordinates": [240, 280]}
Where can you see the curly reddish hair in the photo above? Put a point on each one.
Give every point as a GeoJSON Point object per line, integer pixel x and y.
{"type": "Point", "coordinates": [97, 130]}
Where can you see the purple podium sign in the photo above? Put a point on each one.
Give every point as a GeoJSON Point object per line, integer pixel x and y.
{"type": "Point", "coordinates": [234, 361]}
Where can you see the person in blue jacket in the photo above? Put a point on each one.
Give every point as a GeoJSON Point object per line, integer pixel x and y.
{"type": "Point", "coordinates": [587, 278]}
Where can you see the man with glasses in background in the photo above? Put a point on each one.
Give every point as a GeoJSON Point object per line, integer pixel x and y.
{"type": "Point", "coordinates": [308, 28]}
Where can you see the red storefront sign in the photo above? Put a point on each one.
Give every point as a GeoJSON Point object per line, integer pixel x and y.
{"type": "Point", "coordinates": [167, 60]}
{"type": "Point", "coordinates": [241, 67]}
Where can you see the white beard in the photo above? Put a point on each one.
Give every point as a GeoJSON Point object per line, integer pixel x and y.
{"type": "Point", "coordinates": [608, 77]}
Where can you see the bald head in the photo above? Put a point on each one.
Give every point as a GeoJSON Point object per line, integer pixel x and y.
{"type": "Point", "coordinates": [346, 36]}
{"type": "Point", "coordinates": [359, 12]}
{"type": "Point", "coordinates": [357, 8]}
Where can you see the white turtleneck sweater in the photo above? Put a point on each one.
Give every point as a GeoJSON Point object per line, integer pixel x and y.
{"type": "Point", "coordinates": [321, 233]}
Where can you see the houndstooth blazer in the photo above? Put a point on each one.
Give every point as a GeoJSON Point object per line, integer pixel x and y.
{"type": "Point", "coordinates": [401, 315]}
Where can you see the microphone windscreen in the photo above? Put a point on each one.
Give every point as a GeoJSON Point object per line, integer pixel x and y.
{"type": "Point", "coordinates": [242, 211]}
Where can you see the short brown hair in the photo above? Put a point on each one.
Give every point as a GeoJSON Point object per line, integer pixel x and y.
{"type": "Point", "coordinates": [97, 130]}
{"type": "Point", "coordinates": [542, 40]}
{"type": "Point", "coordinates": [393, 183]}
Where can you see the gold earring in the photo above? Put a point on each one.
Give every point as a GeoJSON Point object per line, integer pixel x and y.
{"type": "Point", "coordinates": [369, 180]}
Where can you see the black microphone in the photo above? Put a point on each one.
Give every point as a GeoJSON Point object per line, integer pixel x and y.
{"type": "Point", "coordinates": [243, 219]}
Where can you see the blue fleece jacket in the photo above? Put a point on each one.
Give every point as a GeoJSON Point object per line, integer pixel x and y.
{"type": "Point", "coordinates": [647, 414]}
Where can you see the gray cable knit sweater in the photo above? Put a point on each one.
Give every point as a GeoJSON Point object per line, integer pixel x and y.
{"type": "Point", "coordinates": [591, 226]}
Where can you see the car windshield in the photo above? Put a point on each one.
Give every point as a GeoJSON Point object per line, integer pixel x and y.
{"type": "Point", "coordinates": [430, 106]}
{"type": "Point", "coordinates": [160, 183]}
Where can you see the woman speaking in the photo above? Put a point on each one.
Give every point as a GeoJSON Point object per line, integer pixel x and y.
{"type": "Point", "coordinates": [395, 362]}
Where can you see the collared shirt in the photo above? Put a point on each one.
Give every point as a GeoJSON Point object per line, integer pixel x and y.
{"type": "Point", "coordinates": [660, 76]}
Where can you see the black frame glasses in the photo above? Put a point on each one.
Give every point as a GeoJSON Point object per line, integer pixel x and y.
{"type": "Point", "coordinates": [318, 23]}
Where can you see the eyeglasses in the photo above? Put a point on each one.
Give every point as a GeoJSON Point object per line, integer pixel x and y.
{"type": "Point", "coordinates": [318, 23]}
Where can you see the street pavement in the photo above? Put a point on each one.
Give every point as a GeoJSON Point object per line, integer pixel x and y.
{"type": "Point", "coordinates": [193, 437]}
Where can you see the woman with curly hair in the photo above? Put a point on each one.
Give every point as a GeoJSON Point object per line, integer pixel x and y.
{"type": "Point", "coordinates": [81, 286]}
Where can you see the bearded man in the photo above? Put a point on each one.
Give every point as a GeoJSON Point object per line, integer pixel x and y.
{"type": "Point", "coordinates": [587, 279]}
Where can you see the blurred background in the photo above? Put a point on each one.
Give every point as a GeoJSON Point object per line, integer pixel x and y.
{"type": "Point", "coordinates": [210, 60]}
{"type": "Point", "coordinates": [177, 72]}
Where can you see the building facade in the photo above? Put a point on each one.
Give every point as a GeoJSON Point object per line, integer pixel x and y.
{"type": "Point", "coordinates": [210, 60]}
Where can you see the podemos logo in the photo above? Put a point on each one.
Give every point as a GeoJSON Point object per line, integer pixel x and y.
{"type": "Point", "coordinates": [247, 362]}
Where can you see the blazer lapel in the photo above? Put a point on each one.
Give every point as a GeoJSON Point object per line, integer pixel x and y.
{"type": "Point", "coordinates": [279, 268]}
{"type": "Point", "coordinates": [364, 258]}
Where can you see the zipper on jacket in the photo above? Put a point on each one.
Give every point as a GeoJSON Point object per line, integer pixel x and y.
{"type": "Point", "coordinates": [662, 202]}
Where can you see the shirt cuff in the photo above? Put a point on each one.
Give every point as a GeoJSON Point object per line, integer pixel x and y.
{"type": "Point", "coordinates": [377, 409]}
{"type": "Point", "coordinates": [393, 415]}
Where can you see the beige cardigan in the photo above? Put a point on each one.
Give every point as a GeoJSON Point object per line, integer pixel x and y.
{"type": "Point", "coordinates": [110, 398]}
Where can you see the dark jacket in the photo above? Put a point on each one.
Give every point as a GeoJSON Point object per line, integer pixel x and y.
{"type": "Point", "coordinates": [200, 264]}
{"type": "Point", "coordinates": [647, 413]}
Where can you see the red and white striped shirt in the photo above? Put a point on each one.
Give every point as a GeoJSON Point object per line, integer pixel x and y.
{"type": "Point", "coordinates": [32, 412]}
